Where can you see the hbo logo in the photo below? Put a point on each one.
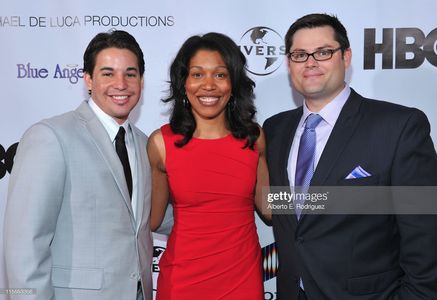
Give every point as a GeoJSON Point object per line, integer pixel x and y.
{"type": "Point", "coordinates": [411, 48]}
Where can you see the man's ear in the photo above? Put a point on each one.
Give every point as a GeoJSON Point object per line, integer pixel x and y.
{"type": "Point", "coordinates": [347, 56]}
{"type": "Point", "coordinates": [88, 82]}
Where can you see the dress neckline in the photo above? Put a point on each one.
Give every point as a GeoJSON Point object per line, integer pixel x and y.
{"type": "Point", "coordinates": [215, 139]}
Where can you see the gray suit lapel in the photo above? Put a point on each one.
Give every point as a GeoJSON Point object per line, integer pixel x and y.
{"type": "Point", "coordinates": [104, 145]}
{"type": "Point", "coordinates": [141, 184]}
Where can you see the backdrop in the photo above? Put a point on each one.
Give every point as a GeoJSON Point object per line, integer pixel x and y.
{"type": "Point", "coordinates": [42, 43]}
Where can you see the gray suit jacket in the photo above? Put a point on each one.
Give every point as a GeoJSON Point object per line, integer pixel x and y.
{"type": "Point", "coordinates": [70, 231]}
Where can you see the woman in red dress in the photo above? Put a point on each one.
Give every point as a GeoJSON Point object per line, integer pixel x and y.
{"type": "Point", "coordinates": [210, 160]}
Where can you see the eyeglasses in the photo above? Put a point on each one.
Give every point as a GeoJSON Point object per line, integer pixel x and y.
{"type": "Point", "coordinates": [319, 55]}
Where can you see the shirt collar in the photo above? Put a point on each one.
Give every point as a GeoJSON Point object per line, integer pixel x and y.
{"type": "Point", "coordinates": [332, 110]}
{"type": "Point", "coordinates": [108, 122]}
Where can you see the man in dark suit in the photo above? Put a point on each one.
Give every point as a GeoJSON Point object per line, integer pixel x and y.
{"type": "Point", "coordinates": [354, 141]}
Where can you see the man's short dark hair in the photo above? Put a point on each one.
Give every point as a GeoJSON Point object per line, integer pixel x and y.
{"type": "Point", "coordinates": [111, 39]}
{"type": "Point", "coordinates": [315, 21]}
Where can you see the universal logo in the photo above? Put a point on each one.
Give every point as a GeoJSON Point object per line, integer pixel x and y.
{"type": "Point", "coordinates": [263, 48]}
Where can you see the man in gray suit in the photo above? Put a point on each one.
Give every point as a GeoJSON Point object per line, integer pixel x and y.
{"type": "Point", "coordinates": [77, 219]}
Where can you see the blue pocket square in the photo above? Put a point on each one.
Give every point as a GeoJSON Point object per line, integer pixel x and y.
{"type": "Point", "coordinates": [358, 172]}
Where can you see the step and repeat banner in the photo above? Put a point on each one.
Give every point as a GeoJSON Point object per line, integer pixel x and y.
{"type": "Point", "coordinates": [42, 44]}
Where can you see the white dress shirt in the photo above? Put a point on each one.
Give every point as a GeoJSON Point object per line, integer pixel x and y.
{"type": "Point", "coordinates": [330, 114]}
{"type": "Point", "coordinates": [112, 128]}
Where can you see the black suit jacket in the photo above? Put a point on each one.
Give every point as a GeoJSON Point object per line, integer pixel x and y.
{"type": "Point", "coordinates": [359, 256]}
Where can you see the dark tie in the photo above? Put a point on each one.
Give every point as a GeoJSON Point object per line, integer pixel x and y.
{"type": "Point", "coordinates": [305, 158]}
{"type": "Point", "coordinates": [120, 147]}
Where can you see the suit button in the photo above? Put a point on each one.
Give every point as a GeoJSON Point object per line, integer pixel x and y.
{"type": "Point", "coordinates": [134, 275]}
{"type": "Point", "coordinates": [299, 240]}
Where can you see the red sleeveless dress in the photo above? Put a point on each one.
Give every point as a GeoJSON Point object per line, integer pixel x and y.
{"type": "Point", "coordinates": [213, 251]}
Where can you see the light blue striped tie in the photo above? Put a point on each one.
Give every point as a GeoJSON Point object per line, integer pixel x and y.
{"type": "Point", "coordinates": [305, 159]}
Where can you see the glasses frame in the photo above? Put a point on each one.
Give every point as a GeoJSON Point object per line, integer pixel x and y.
{"type": "Point", "coordinates": [331, 51]}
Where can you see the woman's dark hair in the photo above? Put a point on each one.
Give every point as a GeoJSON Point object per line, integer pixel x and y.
{"type": "Point", "coordinates": [240, 110]}
{"type": "Point", "coordinates": [111, 39]}
{"type": "Point", "coordinates": [315, 21]}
